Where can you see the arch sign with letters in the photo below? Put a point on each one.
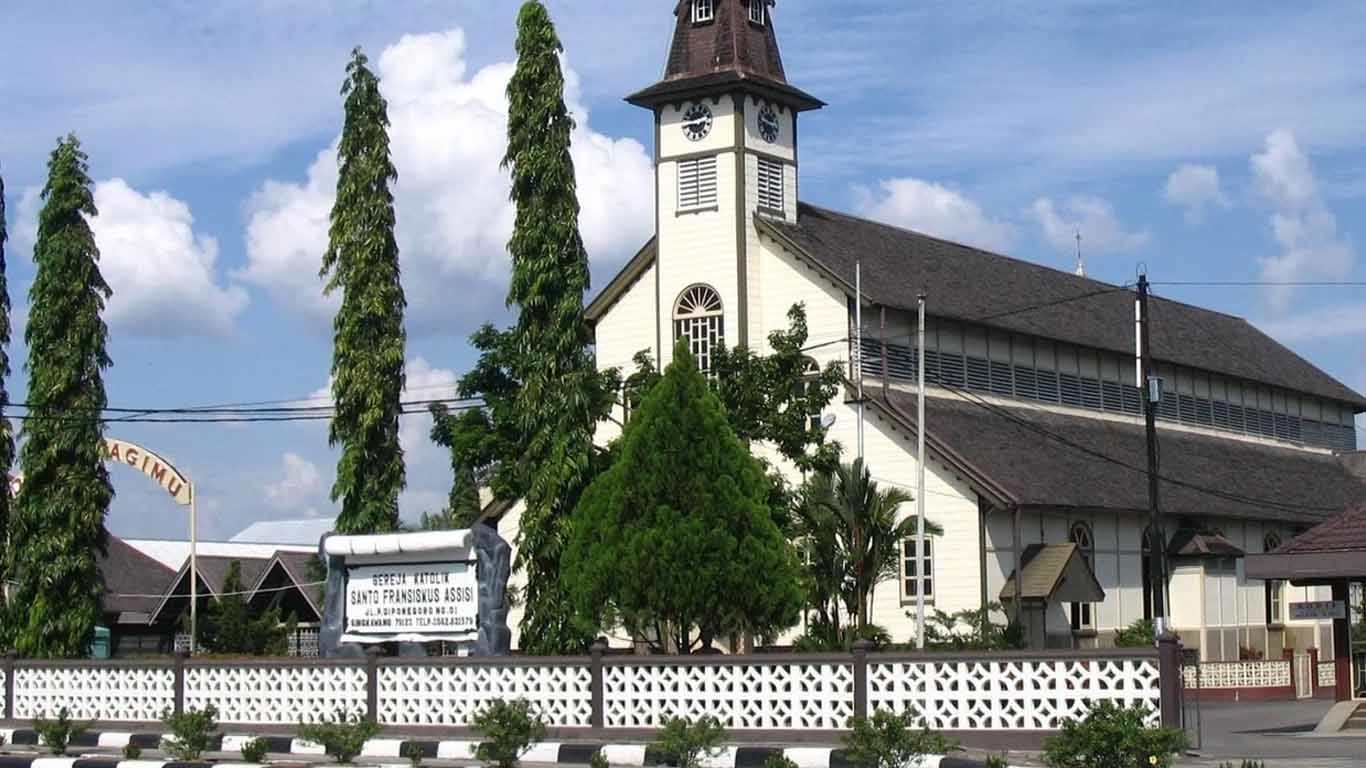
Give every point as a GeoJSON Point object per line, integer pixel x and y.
{"type": "Point", "coordinates": [151, 465]}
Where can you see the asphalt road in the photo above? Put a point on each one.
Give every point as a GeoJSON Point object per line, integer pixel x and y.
{"type": "Point", "coordinates": [1279, 733]}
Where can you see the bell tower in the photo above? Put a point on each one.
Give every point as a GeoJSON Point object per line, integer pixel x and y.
{"type": "Point", "coordinates": [725, 152]}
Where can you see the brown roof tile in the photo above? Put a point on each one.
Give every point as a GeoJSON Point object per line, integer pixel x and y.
{"type": "Point", "coordinates": [1338, 534]}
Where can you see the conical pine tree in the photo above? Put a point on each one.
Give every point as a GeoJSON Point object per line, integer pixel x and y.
{"type": "Point", "coordinates": [368, 346]}
{"type": "Point", "coordinates": [57, 528]}
{"type": "Point", "coordinates": [560, 386]}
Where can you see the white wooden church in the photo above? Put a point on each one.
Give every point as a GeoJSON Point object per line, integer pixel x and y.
{"type": "Point", "coordinates": [1035, 443]}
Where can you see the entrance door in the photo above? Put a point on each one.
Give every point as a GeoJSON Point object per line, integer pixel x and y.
{"type": "Point", "coordinates": [1304, 672]}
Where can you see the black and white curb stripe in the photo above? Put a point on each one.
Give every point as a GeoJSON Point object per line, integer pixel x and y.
{"type": "Point", "coordinates": [625, 755]}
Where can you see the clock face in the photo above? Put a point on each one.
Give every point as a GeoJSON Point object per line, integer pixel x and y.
{"type": "Point", "coordinates": [697, 122]}
{"type": "Point", "coordinates": [768, 124]}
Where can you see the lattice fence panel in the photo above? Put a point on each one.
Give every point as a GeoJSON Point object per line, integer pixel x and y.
{"type": "Point", "coordinates": [276, 694]}
{"type": "Point", "coordinates": [451, 694]}
{"type": "Point", "coordinates": [112, 694]}
{"type": "Point", "coordinates": [1328, 674]}
{"type": "Point", "coordinates": [1240, 674]}
{"type": "Point", "coordinates": [743, 696]}
{"type": "Point", "coordinates": [1002, 695]}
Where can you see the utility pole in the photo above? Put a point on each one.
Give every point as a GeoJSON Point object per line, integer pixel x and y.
{"type": "Point", "coordinates": [920, 474]}
{"type": "Point", "coordinates": [858, 339]}
{"type": "Point", "coordinates": [1152, 393]}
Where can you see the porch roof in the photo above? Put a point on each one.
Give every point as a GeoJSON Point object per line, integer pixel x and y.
{"type": "Point", "coordinates": [1054, 572]}
{"type": "Point", "coordinates": [1332, 550]}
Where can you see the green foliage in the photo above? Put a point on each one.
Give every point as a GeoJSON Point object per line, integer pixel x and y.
{"type": "Point", "coordinates": [228, 626]}
{"type": "Point", "coordinates": [255, 750]}
{"type": "Point", "coordinates": [684, 743]}
{"type": "Point", "coordinates": [1113, 736]}
{"type": "Point", "coordinates": [892, 740]}
{"type": "Point", "coordinates": [413, 751]}
{"type": "Point", "coordinates": [509, 729]}
{"type": "Point", "coordinates": [132, 751]}
{"type": "Point", "coordinates": [676, 541]}
{"type": "Point", "coordinates": [191, 732]}
{"type": "Point", "coordinates": [598, 760]}
{"type": "Point", "coordinates": [1243, 764]}
{"type": "Point", "coordinates": [848, 530]}
{"type": "Point", "coordinates": [779, 760]}
{"type": "Point", "coordinates": [368, 337]}
{"type": "Point", "coordinates": [342, 737]}
{"type": "Point", "coordinates": [57, 526]}
{"type": "Point", "coordinates": [57, 733]}
{"type": "Point", "coordinates": [561, 394]}
{"type": "Point", "coordinates": [995, 761]}
{"type": "Point", "coordinates": [6, 431]}
{"type": "Point", "coordinates": [1140, 634]}
{"type": "Point", "coordinates": [469, 437]}
{"type": "Point", "coordinates": [971, 630]}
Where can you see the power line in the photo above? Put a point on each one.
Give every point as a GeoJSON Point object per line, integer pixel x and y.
{"type": "Point", "coordinates": [1262, 283]}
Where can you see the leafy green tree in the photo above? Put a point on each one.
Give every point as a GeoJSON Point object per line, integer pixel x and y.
{"type": "Point", "coordinates": [6, 434]}
{"type": "Point", "coordinates": [229, 627]}
{"type": "Point", "coordinates": [57, 528]}
{"type": "Point", "coordinates": [367, 358]}
{"type": "Point", "coordinates": [466, 435]}
{"type": "Point", "coordinates": [676, 541]}
{"type": "Point", "coordinates": [560, 389]}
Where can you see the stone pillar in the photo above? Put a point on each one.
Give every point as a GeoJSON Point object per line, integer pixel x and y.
{"type": "Point", "coordinates": [10, 658]}
{"type": "Point", "coordinates": [1170, 683]}
{"type": "Point", "coordinates": [372, 655]}
{"type": "Point", "coordinates": [596, 651]}
{"type": "Point", "coordinates": [1313, 671]}
{"type": "Point", "coordinates": [179, 680]}
{"type": "Point", "coordinates": [1342, 646]}
{"type": "Point", "coordinates": [861, 648]}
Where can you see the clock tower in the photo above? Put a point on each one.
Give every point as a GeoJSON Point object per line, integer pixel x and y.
{"type": "Point", "coordinates": [725, 152]}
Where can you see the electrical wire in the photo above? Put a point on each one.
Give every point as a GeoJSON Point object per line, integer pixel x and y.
{"type": "Point", "coordinates": [222, 594]}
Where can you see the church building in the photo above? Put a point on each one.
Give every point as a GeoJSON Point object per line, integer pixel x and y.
{"type": "Point", "coordinates": [1035, 445]}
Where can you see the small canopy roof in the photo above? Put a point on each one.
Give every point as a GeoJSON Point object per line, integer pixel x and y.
{"type": "Point", "coordinates": [1330, 551]}
{"type": "Point", "coordinates": [1189, 542]}
{"type": "Point", "coordinates": [1054, 573]}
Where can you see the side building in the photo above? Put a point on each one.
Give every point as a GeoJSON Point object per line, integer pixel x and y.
{"type": "Point", "coordinates": [1036, 455]}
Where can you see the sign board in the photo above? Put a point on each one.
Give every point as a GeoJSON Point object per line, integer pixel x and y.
{"type": "Point", "coordinates": [151, 465]}
{"type": "Point", "coordinates": [392, 601]}
{"type": "Point", "coordinates": [1326, 609]}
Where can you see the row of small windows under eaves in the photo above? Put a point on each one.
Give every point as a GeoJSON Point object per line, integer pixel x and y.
{"type": "Point", "coordinates": [697, 184]}
{"type": "Point", "coordinates": [1049, 372]}
{"type": "Point", "coordinates": [704, 11]}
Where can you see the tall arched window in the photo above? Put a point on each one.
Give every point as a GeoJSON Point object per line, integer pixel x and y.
{"type": "Point", "coordinates": [1084, 614]}
{"type": "Point", "coordinates": [699, 319]}
{"type": "Point", "coordinates": [1275, 588]}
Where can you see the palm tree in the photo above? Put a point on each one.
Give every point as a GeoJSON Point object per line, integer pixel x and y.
{"type": "Point", "coordinates": [868, 533]}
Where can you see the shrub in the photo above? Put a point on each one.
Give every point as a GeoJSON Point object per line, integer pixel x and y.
{"type": "Point", "coordinates": [890, 740]}
{"type": "Point", "coordinates": [1244, 764]}
{"type": "Point", "coordinates": [509, 729]}
{"type": "Point", "coordinates": [1115, 737]}
{"type": "Point", "coordinates": [56, 734]}
{"type": "Point", "coordinates": [598, 760]}
{"type": "Point", "coordinates": [779, 761]}
{"type": "Point", "coordinates": [343, 737]}
{"type": "Point", "coordinates": [1140, 634]}
{"type": "Point", "coordinates": [684, 743]}
{"type": "Point", "coordinates": [413, 751]}
{"type": "Point", "coordinates": [254, 751]}
{"type": "Point", "coordinates": [131, 751]}
{"type": "Point", "coordinates": [191, 732]}
{"type": "Point", "coordinates": [995, 761]}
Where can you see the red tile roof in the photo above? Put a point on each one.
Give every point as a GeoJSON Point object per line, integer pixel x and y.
{"type": "Point", "coordinates": [1346, 532]}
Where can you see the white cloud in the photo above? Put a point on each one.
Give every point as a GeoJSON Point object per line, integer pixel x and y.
{"type": "Point", "coordinates": [163, 274]}
{"type": "Point", "coordinates": [299, 487]}
{"type": "Point", "coordinates": [935, 210]}
{"type": "Point", "coordinates": [1195, 187]}
{"type": "Point", "coordinates": [448, 135]}
{"type": "Point", "coordinates": [1317, 324]}
{"type": "Point", "coordinates": [1304, 228]}
{"type": "Point", "coordinates": [1101, 230]}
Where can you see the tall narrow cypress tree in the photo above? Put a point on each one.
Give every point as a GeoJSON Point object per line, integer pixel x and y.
{"type": "Point", "coordinates": [552, 359]}
{"type": "Point", "coordinates": [6, 434]}
{"type": "Point", "coordinates": [367, 355]}
{"type": "Point", "coordinates": [57, 527]}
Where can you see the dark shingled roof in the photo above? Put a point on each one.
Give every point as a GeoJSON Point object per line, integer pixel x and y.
{"type": "Point", "coordinates": [126, 572]}
{"type": "Point", "coordinates": [1346, 532]}
{"type": "Point", "coordinates": [969, 284]}
{"type": "Point", "coordinates": [1035, 469]}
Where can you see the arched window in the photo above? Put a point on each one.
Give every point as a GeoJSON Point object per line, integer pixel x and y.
{"type": "Point", "coordinates": [699, 319]}
{"type": "Point", "coordinates": [1275, 588]}
{"type": "Point", "coordinates": [1083, 614]}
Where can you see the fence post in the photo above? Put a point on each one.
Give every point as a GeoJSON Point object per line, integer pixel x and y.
{"type": "Point", "coordinates": [1169, 676]}
{"type": "Point", "coordinates": [1314, 671]}
{"type": "Point", "coordinates": [372, 682]}
{"type": "Point", "coordinates": [10, 658]}
{"type": "Point", "coordinates": [597, 683]}
{"type": "Point", "coordinates": [178, 672]}
{"type": "Point", "coordinates": [861, 648]}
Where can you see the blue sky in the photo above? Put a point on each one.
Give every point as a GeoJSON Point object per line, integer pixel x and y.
{"type": "Point", "coordinates": [1205, 141]}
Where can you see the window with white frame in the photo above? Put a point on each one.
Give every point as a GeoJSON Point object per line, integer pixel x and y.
{"type": "Point", "coordinates": [703, 10]}
{"type": "Point", "coordinates": [699, 319]}
{"type": "Point", "coordinates": [697, 183]}
{"type": "Point", "coordinates": [1275, 588]}
{"type": "Point", "coordinates": [756, 11]}
{"type": "Point", "coordinates": [770, 185]}
{"type": "Point", "coordinates": [1084, 614]}
{"type": "Point", "coordinates": [917, 569]}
